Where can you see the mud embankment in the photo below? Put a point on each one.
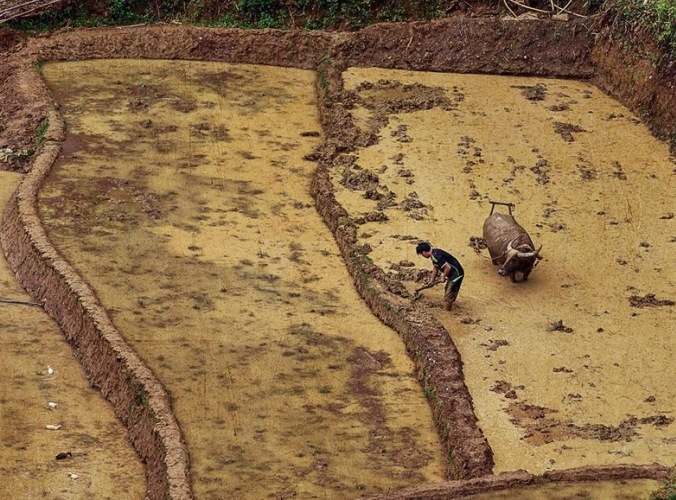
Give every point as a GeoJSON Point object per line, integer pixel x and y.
{"type": "Point", "coordinates": [523, 47]}
{"type": "Point", "coordinates": [633, 78]}
{"type": "Point", "coordinates": [437, 361]}
{"type": "Point", "coordinates": [520, 479]}
{"type": "Point", "coordinates": [138, 398]}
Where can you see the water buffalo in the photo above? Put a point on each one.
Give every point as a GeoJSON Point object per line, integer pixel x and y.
{"type": "Point", "coordinates": [510, 246]}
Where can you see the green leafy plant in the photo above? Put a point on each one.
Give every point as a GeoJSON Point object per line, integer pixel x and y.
{"type": "Point", "coordinates": [262, 13]}
{"type": "Point", "coordinates": [668, 490]}
{"type": "Point", "coordinates": [10, 154]}
{"type": "Point", "coordinates": [658, 17]}
{"type": "Point", "coordinates": [429, 392]}
{"type": "Point", "coordinates": [42, 130]}
{"type": "Point", "coordinates": [120, 11]}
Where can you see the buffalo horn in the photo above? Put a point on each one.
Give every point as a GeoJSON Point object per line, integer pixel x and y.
{"type": "Point", "coordinates": [528, 255]}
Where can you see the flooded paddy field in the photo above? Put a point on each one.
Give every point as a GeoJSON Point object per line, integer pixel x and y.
{"type": "Point", "coordinates": [48, 409]}
{"type": "Point", "coordinates": [182, 197]}
{"type": "Point", "coordinates": [246, 228]}
{"type": "Point", "coordinates": [571, 367]}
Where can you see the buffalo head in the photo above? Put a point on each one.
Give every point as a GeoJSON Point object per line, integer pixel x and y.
{"type": "Point", "coordinates": [521, 259]}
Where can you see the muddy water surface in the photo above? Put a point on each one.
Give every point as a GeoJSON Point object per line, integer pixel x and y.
{"type": "Point", "coordinates": [182, 197]}
{"type": "Point", "coordinates": [103, 463]}
{"type": "Point", "coordinates": [573, 367]}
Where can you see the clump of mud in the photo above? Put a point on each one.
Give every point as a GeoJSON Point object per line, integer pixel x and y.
{"type": "Point", "coordinates": [649, 300]}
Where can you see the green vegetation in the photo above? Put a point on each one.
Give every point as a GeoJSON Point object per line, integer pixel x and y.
{"type": "Point", "coordinates": [141, 399]}
{"type": "Point", "coordinates": [8, 154]}
{"type": "Point", "coordinates": [629, 17]}
{"type": "Point", "coordinates": [668, 490]}
{"type": "Point", "coordinates": [42, 130]}
{"type": "Point", "coordinates": [429, 391]}
{"type": "Point", "coordinates": [122, 12]}
{"type": "Point", "coordinates": [323, 81]}
{"type": "Point", "coordinates": [656, 17]}
{"type": "Point", "coordinates": [285, 14]}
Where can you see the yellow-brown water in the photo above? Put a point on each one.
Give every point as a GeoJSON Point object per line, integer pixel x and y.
{"type": "Point", "coordinates": [182, 198]}
{"type": "Point", "coordinates": [563, 370]}
{"type": "Point", "coordinates": [140, 176]}
{"type": "Point", "coordinates": [103, 461]}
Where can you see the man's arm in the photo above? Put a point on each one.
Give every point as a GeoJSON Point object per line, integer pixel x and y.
{"type": "Point", "coordinates": [446, 270]}
{"type": "Point", "coordinates": [435, 272]}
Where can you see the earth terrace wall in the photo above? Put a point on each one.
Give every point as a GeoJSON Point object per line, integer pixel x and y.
{"type": "Point", "coordinates": [511, 481]}
{"type": "Point", "coordinates": [168, 41]}
{"type": "Point", "coordinates": [632, 75]}
{"type": "Point", "coordinates": [437, 360]}
{"type": "Point", "coordinates": [137, 397]}
{"type": "Point", "coordinates": [130, 387]}
{"type": "Point", "coordinates": [520, 47]}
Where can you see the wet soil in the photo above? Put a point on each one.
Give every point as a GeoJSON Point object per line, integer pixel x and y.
{"type": "Point", "coordinates": [49, 410]}
{"type": "Point", "coordinates": [240, 302]}
{"type": "Point", "coordinates": [480, 46]}
{"type": "Point", "coordinates": [542, 388]}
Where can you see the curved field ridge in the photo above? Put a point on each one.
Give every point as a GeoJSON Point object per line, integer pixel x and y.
{"type": "Point", "coordinates": [137, 397]}
{"type": "Point", "coordinates": [436, 358]}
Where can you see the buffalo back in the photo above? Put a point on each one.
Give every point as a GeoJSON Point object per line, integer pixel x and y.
{"type": "Point", "coordinates": [499, 230]}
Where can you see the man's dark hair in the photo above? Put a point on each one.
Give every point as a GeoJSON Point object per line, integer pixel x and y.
{"type": "Point", "coordinates": [423, 247]}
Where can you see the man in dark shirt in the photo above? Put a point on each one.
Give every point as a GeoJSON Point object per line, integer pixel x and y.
{"type": "Point", "coordinates": [451, 270]}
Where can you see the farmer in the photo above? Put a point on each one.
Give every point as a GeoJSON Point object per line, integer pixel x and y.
{"type": "Point", "coordinates": [449, 267]}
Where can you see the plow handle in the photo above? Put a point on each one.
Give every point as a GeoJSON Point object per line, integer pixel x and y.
{"type": "Point", "coordinates": [510, 206]}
